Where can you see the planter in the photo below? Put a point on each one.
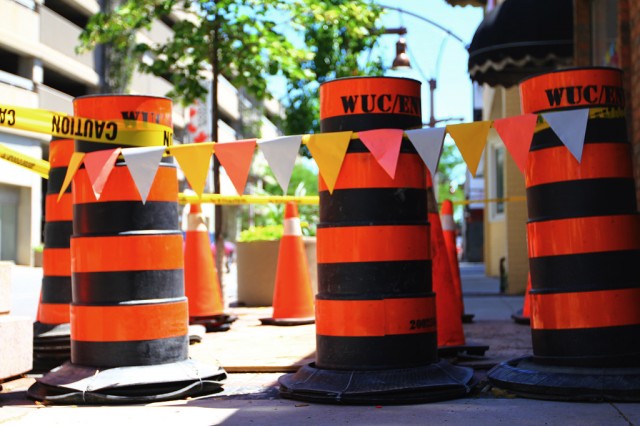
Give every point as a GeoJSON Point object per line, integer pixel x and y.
{"type": "Point", "coordinates": [37, 258]}
{"type": "Point", "coordinates": [257, 262]}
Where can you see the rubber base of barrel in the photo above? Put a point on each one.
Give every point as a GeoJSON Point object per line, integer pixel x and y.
{"type": "Point", "coordinates": [524, 377]}
{"type": "Point", "coordinates": [434, 382]}
{"type": "Point", "coordinates": [76, 384]}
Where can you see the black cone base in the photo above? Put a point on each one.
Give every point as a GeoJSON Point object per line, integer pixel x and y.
{"type": "Point", "coordinates": [51, 346]}
{"type": "Point", "coordinates": [77, 384]}
{"type": "Point", "coordinates": [287, 321]}
{"type": "Point", "coordinates": [214, 323]}
{"type": "Point", "coordinates": [467, 318]}
{"type": "Point", "coordinates": [520, 319]}
{"type": "Point", "coordinates": [526, 378]}
{"type": "Point", "coordinates": [434, 382]}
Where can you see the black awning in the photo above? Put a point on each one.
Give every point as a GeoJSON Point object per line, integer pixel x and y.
{"type": "Point", "coordinates": [520, 38]}
{"type": "Point", "coordinates": [462, 3]}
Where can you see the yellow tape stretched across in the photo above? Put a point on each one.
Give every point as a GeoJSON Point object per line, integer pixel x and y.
{"type": "Point", "coordinates": [117, 132]}
{"type": "Point", "coordinates": [279, 199]}
{"type": "Point", "coordinates": [490, 200]}
{"type": "Point", "coordinates": [34, 164]}
{"type": "Point", "coordinates": [246, 199]}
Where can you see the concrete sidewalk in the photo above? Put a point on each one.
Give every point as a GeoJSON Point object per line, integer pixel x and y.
{"type": "Point", "coordinates": [252, 398]}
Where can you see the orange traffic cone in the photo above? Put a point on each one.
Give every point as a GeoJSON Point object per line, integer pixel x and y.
{"type": "Point", "coordinates": [451, 340]}
{"type": "Point", "coordinates": [292, 295]}
{"type": "Point", "coordinates": [449, 232]}
{"type": "Point", "coordinates": [202, 286]}
{"type": "Point", "coordinates": [523, 316]}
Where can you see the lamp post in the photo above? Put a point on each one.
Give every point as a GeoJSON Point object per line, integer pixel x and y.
{"type": "Point", "coordinates": [401, 61]}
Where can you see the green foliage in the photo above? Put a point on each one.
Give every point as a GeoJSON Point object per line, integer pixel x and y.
{"type": "Point", "coordinates": [304, 181]}
{"type": "Point", "coordinates": [261, 233]}
{"type": "Point", "coordinates": [337, 32]}
{"type": "Point", "coordinates": [249, 38]}
{"type": "Point", "coordinates": [449, 184]}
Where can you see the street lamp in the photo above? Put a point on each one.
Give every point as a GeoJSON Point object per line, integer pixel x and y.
{"type": "Point", "coordinates": [401, 61]}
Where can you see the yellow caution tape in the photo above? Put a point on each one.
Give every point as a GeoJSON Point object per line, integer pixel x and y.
{"type": "Point", "coordinates": [246, 199]}
{"type": "Point", "coordinates": [490, 200]}
{"type": "Point", "coordinates": [36, 165]}
{"type": "Point", "coordinates": [603, 112]}
{"type": "Point", "coordinates": [118, 132]}
{"type": "Point", "coordinates": [280, 199]}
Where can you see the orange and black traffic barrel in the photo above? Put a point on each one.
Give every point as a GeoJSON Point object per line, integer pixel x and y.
{"type": "Point", "coordinates": [129, 313]}
{"type": "Point", "coordinates": [584, 247]}
{"type": "Point", "coordinates": [51, 331]}
{"type": "Point", "coordinates": [375, 309]}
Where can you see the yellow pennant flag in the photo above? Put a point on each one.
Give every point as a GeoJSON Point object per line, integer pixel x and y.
{"type": "Point", "coordinates": [74, 164]}
{"type": "Point", "coordinates": [194, 160]}
{"type": "Point", "coordinates": [470, 138]}
{"type": "Point", "coordinates": [329, 149]}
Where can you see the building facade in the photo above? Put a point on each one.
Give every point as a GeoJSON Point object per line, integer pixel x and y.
{"type": "Point", "coordinates": [601, 33]}
{"type": "Point", "coordinates": [40, 69]}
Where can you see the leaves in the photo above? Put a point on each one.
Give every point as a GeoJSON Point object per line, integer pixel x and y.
{"type": "Point", "coordinates": [254, 36]}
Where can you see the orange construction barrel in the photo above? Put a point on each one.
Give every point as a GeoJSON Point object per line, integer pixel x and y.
{"type": "Point", "coordinates": [129, 314]}
{"type": "Point", "coordinates": [375, 309]}
{"type": "Point", "coordinates": [51, 331]}
{"type": "Point", "coordinates": [584, 247]}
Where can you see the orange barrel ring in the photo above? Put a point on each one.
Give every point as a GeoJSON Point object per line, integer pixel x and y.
{"type": "Point", "coordinates": [373, 236]}
{"type": "Point", "coordinates": [127, 256]}
{"type": "Point", "coordinates": [56, 269]}
{"type": "Point", "coordinates": [583, 228]}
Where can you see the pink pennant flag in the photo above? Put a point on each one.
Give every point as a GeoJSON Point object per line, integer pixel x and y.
{"type": "Point", "coordinates": [99, 165]}
{"type": "Point", "coordinates": [516, 132]}
{"type": "Point", "coordinates": [236, 159]}
{"type": "Point", "coordinates": [384, 145]}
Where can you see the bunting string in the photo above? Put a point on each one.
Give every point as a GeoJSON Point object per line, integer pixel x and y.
{"type": "Point", "coordinates": [143, 144]}
{"type": "Point", "coordinates": [184, 198]}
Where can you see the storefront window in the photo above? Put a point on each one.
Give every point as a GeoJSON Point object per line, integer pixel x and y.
{"type": "Point", "coordinates": [496, 185]}
{"type": "Point", "coordinates": [604, 27]}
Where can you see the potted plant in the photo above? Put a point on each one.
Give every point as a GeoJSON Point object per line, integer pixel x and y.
{"type": "Point", "coordinates": [37, 255]}
{"type": "Point", "coordinates": [257, 260]}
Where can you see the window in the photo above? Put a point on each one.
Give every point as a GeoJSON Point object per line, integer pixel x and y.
{"type": "Point", "coordinates": [496, 182]}
{"type": "Point", "coordinates": [604, 33]}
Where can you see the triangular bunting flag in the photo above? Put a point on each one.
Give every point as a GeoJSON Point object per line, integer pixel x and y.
{"type": "Point", "coordinates": [99, 165]}
{"type": "Point", "coordinates": [74, 164]}
{"type": "Point", "coordinates": [516, 133]}
{"type": "Point", "coordinates": [281, 154]}
{"type": "Point", "coordinates": [570, 126]}
{"type": "Point", "coordinates": [194, 160]}
{"type": "Point", "coordinates": [428, 143]}
{"type": "Point", "coordinates": [329, 149]}
{"type": "Point", "coordinates": [470, 138]}
{"type": "Point", "coordinates": [236, 158]}
{"type": "Point", "coordinates": [143, 164]}
{"type": "Point", "coordinates": [384, 145]}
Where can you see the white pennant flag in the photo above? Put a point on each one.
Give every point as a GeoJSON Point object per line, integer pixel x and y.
{"type": "Point", "coordinates": [428, 142]}
{"type": "Point", "coordinates": [143, 164]}
{"type": "Point", "coordinates": [281, 155]}
{"type": "Point", "coordinates": [570, 126]}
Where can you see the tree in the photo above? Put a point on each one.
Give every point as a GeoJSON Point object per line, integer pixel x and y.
{"type": "Point", "coordinates": [338, 46]}
{"type": "Point", "coordinates": [243, 39]}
